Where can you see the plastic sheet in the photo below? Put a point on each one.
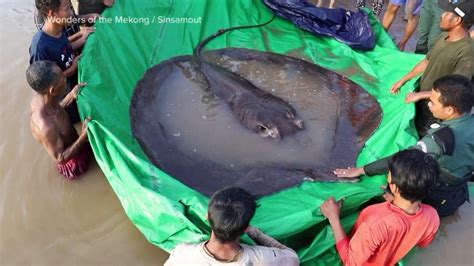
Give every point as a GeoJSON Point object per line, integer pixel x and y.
{"type": "Point", "coordinates": [351, 28]}
{"type": "Point", "coordinates": [167, 212]}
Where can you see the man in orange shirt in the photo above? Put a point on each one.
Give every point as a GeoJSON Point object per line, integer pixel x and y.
{"type": "Point", "coordinates": [384, 233]}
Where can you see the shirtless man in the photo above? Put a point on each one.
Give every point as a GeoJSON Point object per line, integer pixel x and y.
{"type": "Point", "coordinates": [49, 122]}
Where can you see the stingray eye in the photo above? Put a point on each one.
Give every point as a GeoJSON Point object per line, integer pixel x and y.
{"type": "Point", "coordinates": [262, 129]}
{"type": "Point", "coordinates": [290, 115]}
{"type": "Point", "coordinates": [275, 134]}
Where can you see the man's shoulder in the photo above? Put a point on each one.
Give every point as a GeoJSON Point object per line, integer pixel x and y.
{"type": "Point", "coordinates": [42, 41]}
{"type": "Point", "coordinates": [378, 209]}
{"type": "Point", "coordinates": [378, 214]}
{"type": "Point", "coordinates": [185, 254]}
{"type": "Point", "coordinates": [41, 127]}
{"type": "Point", "coordinates": [187, 247]}
{"type": "Point", "coordinates": [267, 255]}
{"type": "Point", "coordinates": [430, 218]}
{"type": "Point", "coordinates": [429, 211]}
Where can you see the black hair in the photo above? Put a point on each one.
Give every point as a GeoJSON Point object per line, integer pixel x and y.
{"type": "Point", "coordinates": [229, 213]}
{"type": "Point", "coordinates": [456, 91]}
{"type": "Point", "coordinates": [466, 25]}
{"type": "Point", "coordinates": [44, 6]}
{"type": "Point", "coordinates": [414, 172]}
{"type": "Point", "coordinates": [41, 75]}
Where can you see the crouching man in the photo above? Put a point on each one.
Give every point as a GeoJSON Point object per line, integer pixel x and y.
{"type": "Point", "coordinates": [450, 142]}
{"type": "Point", "coordinates": [229, 214]}
{"type": "Point", "coordinates": [384, 233]}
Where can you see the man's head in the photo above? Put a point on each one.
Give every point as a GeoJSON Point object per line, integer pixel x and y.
{"type": "Point", "coordinates": [46, 77]}
{"type": "Point", "coordinates": [412, 174]}
{"type": "Point", "coordinates": [229, 214]}
{"type": "Point", "coordinates": [56, 11]}
{"type": "Point", "coordinates": [451, 96]}
{"type": "Point", "coordinates": [456, 13]}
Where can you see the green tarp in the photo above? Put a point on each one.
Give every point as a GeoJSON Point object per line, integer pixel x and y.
{"type": "Point", "coordinates": [168, 212]}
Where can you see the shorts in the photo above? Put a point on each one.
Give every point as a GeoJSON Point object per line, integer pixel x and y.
{"type": "Point", "coordinates": [447, 199]}
{"type": "Point", "coordinates": [412, 7]}
{"type": "Point", "coordinates": [78, 165]}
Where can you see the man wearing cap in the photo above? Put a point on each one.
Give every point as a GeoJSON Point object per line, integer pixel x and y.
{"type": "Point", "coordinates": [453, 53]}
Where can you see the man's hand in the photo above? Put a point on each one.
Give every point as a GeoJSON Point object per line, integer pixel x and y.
{"type": "Point", "coordinates": [412, 97]}
{"type": "Point", "coordinates": [387, 195]}
{"type": "Point", "coordinates": [75, 61]}
{"type": "Point", "coordinates": [396, 86]}
{"type": "Point", "coordinates": [85, 31]}
{"type": "Point", "coordinates": [108, 2]}
{"type": "Point", "coordinates": [349, 172]}
{"type": "Point", "coordinates": [83, 133]}
{"type": "Point", "coordinates": [93, 17]}
{"type": "Point", "coordinates": [331, 209]}
{"type": "Point", "coordinates": [77, 89]}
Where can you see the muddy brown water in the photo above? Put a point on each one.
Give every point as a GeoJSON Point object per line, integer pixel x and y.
{"type": "Point", "coordinates": [46, 220]}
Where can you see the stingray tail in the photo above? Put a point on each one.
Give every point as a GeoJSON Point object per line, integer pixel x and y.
{"type": "Point", "coordinates": [198, 49]}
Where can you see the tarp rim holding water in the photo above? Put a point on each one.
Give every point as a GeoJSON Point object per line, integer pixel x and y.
{"type": "Point", "coordinates": [166, 211]}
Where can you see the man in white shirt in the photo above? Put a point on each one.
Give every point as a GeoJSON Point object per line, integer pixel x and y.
{"type": "Point", "coordinates": [229, 213]}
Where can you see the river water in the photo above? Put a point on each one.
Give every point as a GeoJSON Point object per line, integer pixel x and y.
{"type": "Point", "coordinates": [47, 220]}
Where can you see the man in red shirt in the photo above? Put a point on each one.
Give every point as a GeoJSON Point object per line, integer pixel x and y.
{"type": "Point", "coordinates": [384, 233]}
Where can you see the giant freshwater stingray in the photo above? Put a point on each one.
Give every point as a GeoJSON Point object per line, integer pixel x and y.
{"type": "Point", "coordinates": [193, 132]}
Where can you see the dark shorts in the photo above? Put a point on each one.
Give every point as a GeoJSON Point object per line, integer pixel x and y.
{"type": "Point", "coordinates": [447, 199]}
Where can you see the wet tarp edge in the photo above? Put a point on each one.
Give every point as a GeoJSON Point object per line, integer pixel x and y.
{"type": "Point", "coordinates": [166, 211]}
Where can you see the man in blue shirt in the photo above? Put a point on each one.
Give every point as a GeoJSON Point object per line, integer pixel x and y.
{"type": "Point", "coordinates": [52, 44]}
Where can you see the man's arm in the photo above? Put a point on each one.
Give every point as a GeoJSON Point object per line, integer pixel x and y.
{"type": "Point", "coordinates": [73, 68]}
{"type": "Point", "coordinates": [72, 95]}
{"type": "Point", "coordinates": [428, 144]}
{"type": "Point", "coordinates": [80, 37]}
{"type": "Point", "coordinates": [55, 147]}
{"type": "Point", "coordinates": [416, 70]}
{"type": "Point", "coordinates": [74, 38]}
{"type": "Point", "coordinates": [331, 209]}
{"type": "Point", "coordinates": [378, 167]}
{"type": "Point", "coordinates": [417, 96]}
{"type": "Point", "coordinates": [363, 243]}
{"type": "Point", "coordinates": [262, 239]}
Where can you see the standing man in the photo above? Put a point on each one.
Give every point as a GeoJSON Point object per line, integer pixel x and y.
{"type": "Point", "coordinates": [412, 10]}
{"type": "Point", "coordinates": [50, 124]}
{"type": "Point", "coordinates": [453, 53]}
{"type": "Point", "coordinates": [51, 44]}
{"type": "Point", "coordinates": [428, 29]}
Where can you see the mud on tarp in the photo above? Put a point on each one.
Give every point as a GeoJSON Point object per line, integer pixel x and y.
{"type": "Point", "coordinates": [168, 212]}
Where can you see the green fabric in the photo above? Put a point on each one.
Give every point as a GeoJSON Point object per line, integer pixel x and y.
{"type": "Point", "coordinates": [166, 211]}
{"type": "Point", "coordinates": [446, 58]}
